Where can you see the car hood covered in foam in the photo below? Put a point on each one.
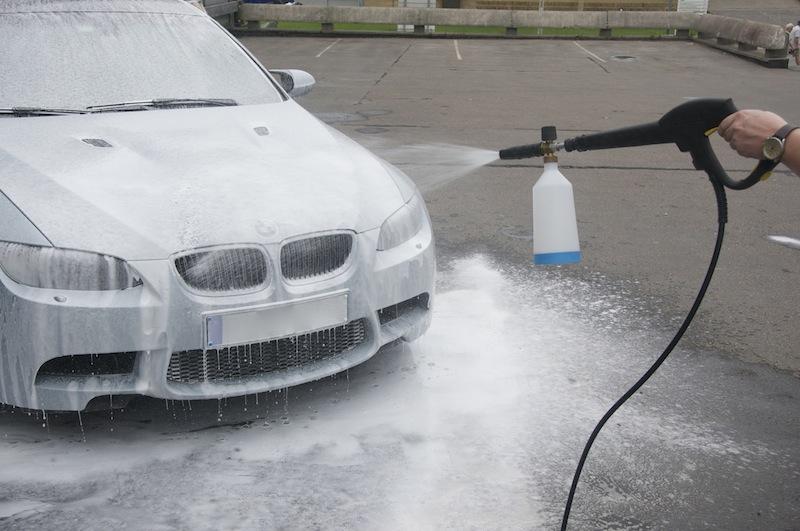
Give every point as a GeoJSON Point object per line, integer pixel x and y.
{"type": "Point", "coordinates": [171, 180]}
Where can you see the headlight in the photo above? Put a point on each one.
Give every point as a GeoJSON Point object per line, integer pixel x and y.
{"type": "Point", "coordinates": [403, 224]}
{"type": "Point", "coordinates": [53, 268]}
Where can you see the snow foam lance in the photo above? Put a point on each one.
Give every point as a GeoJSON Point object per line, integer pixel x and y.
{"type": "Point", "coordinates": [688, 126]}
{"type": "Point", "coordinates": [555, 227]}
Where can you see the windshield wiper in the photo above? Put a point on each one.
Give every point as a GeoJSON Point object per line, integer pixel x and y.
{"type": "Point", "coordinates": [38, 111]}
{"type": "Point", "coordinates": [166, 103]}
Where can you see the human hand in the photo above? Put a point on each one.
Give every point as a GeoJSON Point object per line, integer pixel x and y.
{"type": "Point", "coordinates": [746, 130]}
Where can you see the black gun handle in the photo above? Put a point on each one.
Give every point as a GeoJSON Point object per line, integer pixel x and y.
{"type": "Point", "coordinates": [705, 159]}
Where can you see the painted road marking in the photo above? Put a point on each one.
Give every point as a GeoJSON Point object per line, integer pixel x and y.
{"type": "Point", "coordinates": [458, 52]}
{"type": "Point", "coordinates": [328, 48]}
{"type": "Point", "coordinates": [590, 53]}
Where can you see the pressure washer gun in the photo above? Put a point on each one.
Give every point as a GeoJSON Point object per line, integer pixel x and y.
{"type": "Point", "coordinates": [555, 227]}
{"type": "Point", "coordinates": [688, 125]}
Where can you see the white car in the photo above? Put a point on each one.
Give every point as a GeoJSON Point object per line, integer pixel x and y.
{"type": "Point", "coordinates": [173, 224]}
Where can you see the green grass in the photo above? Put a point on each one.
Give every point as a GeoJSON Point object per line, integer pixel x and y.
{"type": "Point", "coordinates": [366, 27]}
{"type": "Point", "coordinates": [478, 30]}
{"type": "Point", "coordinates": [569, 32]}
{"type": "Point", "coordinates": [471, 30]}
{"type": "Point", "coordinates": [500, 30]}
{"type": "Point", "coordinates": [316, 26]}
{"type": "Point", "coordinates": [640, 32]}
{"type": "Point", "coordinates": [299, 26]}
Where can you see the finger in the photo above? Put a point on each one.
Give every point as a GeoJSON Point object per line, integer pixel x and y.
{"type": "Point", "coordinates": [727, 134]}
{"type": "Point", "coordinates": [725, 125]}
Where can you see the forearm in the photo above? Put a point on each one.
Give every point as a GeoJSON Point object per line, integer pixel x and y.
{"type": "Point", "coordinates": [791, 153]}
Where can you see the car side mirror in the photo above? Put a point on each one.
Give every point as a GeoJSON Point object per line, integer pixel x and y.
{"type": "Point", "coordinates": [295, 82]}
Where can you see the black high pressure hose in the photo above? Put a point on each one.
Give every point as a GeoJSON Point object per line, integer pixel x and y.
{"type": "Point", "coordinates": [722, 219]}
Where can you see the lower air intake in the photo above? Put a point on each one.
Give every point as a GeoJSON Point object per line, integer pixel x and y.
{"type": "Point", "coordinates": [89, 365]}
{"type": "Point", "coordinates": [256, 359]}
{"type": "Point", "coordinates": [390, 313]}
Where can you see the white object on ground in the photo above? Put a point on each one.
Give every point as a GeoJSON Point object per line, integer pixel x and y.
{"type": "Point", "coordinates": [794, 243]}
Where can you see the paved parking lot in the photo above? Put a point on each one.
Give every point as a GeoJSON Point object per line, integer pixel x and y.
{"type": "Point", "coordinates": [644, 213]}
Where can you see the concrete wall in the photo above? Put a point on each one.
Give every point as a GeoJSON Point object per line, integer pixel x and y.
{"type": "Point", "coordinates": [759, 34]}
{"type": "Point", "coordinates": [219, 8]}
{"type": "Point", "coordinates": [223, 11]}
{"type": "Point", "coordinates": [470, 17]}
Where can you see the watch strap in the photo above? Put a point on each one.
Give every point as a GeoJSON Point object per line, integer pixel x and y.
{"type": "Point", "coordinates": [780, 136]}
{"type": "Point", "coordinates": [784, 131]}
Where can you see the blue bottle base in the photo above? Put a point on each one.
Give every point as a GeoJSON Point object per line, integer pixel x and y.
{"type": "Point", "coordinates": [557, 258]}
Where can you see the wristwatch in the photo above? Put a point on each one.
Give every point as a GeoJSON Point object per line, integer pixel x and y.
{"type": "Point", "coordinates": [773, 147]}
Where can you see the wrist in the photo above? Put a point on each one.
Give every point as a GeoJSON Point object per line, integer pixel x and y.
{"type": "Point", "coordinates": [791, 151]}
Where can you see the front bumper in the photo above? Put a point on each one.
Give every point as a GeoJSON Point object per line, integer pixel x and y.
{"type": "Point", "coordinates": [162, 317]}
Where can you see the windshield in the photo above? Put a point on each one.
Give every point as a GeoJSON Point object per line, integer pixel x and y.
{"type": "Point", "coordinates": [73, 60]}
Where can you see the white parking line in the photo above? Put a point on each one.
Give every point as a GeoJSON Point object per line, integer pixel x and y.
{"type": "Point", "coordinates": [458, 52]}
{"type": "Point", "coordinates": [590, 53]}
{"type": "Point", "coordinates": [328, 48]}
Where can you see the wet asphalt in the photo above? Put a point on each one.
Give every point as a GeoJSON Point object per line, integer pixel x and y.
{"type": "Point", "coordinates": [645, 216]}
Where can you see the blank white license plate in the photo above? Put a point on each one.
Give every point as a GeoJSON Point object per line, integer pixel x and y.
{"type": "Point", "coordinates": [262, 323]}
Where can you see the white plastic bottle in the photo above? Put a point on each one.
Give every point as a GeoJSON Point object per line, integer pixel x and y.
{"type": "Point", "coordinates": [555, 227]}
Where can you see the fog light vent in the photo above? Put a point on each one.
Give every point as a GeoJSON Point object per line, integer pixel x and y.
{"type": "Point", "coordinates": [395, 311]}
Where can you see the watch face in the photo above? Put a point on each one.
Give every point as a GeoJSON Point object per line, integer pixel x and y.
{"type": "Point", "coordinates": [773, 148]}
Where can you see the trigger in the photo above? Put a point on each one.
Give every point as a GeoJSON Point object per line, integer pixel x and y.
{"type": "Point", "coordinates": [711, 131]}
